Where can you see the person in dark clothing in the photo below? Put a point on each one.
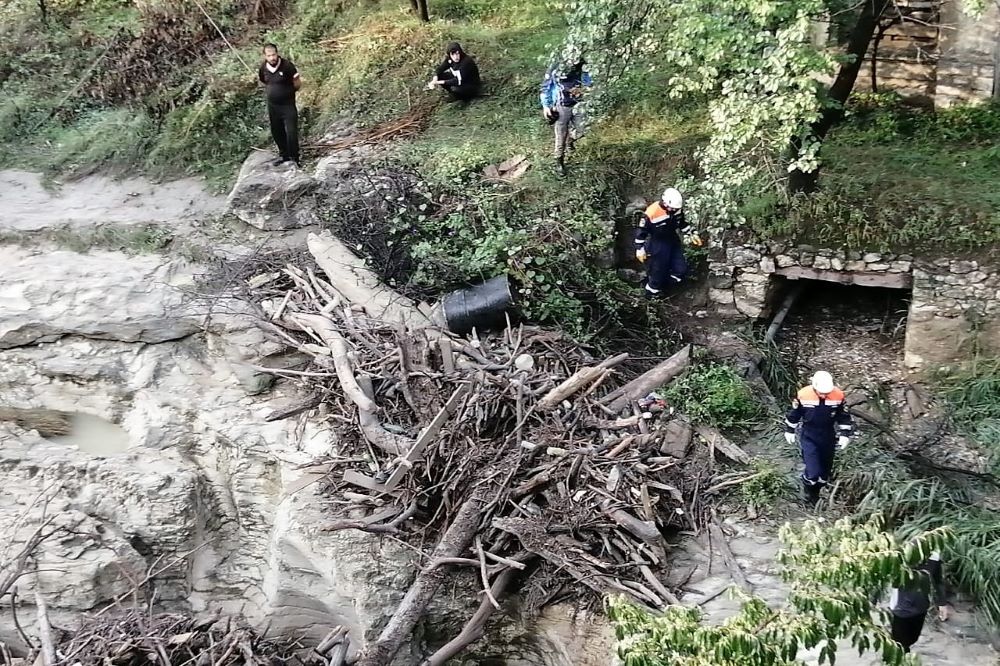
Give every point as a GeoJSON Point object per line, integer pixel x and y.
{"type": "Point", "coordinates": [281, 80]}
{"type": "Point", "coordinates": [458, 74]}
{"type": "Point", "coordinates": [659, 245]}
{"type": "Point", "coordinates": [824, 424]}
{"type": "Point", "coordinates": [909, 604]}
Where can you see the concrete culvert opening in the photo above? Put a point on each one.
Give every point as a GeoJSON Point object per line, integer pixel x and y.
{"type": "Point", "coordinates": [854, 331]}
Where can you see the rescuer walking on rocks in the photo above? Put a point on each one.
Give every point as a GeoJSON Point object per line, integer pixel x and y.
{"type": "Point", "coordinates": [824, 425]}
{"type": "Point", "coordinates": [658, 243]}
{"type": "Point", "coordinates": [281, 80]}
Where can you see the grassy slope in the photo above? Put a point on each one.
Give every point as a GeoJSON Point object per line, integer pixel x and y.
{"type": "Point", "coordinates": [893, 179]}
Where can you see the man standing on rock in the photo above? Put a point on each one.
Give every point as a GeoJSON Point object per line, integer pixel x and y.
{"type": "Point", "coordinates": [824, 424]}
{"type": "Point", "coordinates": [281, 80]}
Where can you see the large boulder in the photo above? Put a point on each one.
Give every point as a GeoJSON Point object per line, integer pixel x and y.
{"type": "Point", "coordinates": [273, 198]}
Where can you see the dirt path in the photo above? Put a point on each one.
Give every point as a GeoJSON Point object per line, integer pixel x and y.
{"type": "Point", "coordinates": [95, 200]}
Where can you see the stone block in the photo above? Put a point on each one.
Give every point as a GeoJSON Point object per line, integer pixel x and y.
{"type": "Point", "coordinates": [872, 257]}
{"type": "Point", "coordinates": [720, 276]}
{"type": "Point", "coordinates": [806, 259]}
{"type": "Point", "coordinates": [878, 267]}
{"type": "Point", "coordinates": [837, 264]}
{"type": "Point", "coordinates": [975, 277]}
{"type": "Point", "coordinates": [823, 263]}
{"type": "Point", "coordinates": [855, 265]}
{"type": "Point", "coordinates": [721, 296]}
{"type": "Point", "coordinates": [742, 256]}
{"type": "Point", "coordinates": [677, 437]}
{"type": "Point", "coordinates": [854, 256]}
{"type": "Point", "coordinates": [784, 261]}
{"type": "Point", "coordinates": [749, 298]}
{"type": "Point", "coordinates": [961, 267]}
{"type": "Point", "coordinates": [753, 278]}
{"type": "Point", "coordinates": [900, 266]}
{"type": "Point", "coordinates": [767, 264]}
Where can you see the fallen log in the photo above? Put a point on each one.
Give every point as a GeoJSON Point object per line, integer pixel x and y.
{"type": "Point", "coordinates": [648, 381]}
{"type": "Point", "coordinates": [349, 275]}
{"type": "Point", "coordinates": [735, 570]}
{"type": "Point", "coordinates": [474, 628]}
{"type": "Point", "coordinates": [578, 381]}
{"type": "Point", "coordinates": [327, 331]}
{"type": "Point", "coordinates": [455, 540]}
{"type": "Point", "coordinates": [718, 441]}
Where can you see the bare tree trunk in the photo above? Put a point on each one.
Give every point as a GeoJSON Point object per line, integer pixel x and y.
{"type": "Point", "coordinates": [422, 8]}
{"type": "Point", "coordinates": [413, 6]}
{"type": "Point", "coordinates": [454, 541]}
{"type": "Point", "coordinates": [857, 47]}
{"type": "Point", "coordinates": [44, 9]}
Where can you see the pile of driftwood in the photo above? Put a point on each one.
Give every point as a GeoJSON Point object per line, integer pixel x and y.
{"type": "Point", "coordinates": [514, 454]}
{"type": "Point", "coordinates": [138, 637]}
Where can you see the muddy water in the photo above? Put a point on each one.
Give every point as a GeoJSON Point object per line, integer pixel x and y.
{"type": "Point", "coordinates": [92, 434]}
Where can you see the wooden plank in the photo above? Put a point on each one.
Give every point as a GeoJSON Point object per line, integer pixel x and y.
{"type": "Point", "coordinates": [719, 539]}
{"type": "Point", "coordinates": [356, 478]}
{"type": "Point", "coordinates": [862, 279]}
{"type": "Point", "coordinates": [427, 435]}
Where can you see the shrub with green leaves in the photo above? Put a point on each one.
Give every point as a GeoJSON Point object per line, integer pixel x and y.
{"type": "Point", "coordinates": [833, 572]}
{"type": "Point", "coordinates": [765, 486]}
{"type": "Point", "coordinates": [715, 393]}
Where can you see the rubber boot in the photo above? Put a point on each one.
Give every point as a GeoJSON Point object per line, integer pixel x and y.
{"type": "Point", "coordinates": [810, 494]}
{"type": "Point", "coordinates": [561, 167]}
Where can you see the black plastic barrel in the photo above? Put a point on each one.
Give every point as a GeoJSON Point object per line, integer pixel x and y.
{"type": "Point", "coordinates": [482, 307]}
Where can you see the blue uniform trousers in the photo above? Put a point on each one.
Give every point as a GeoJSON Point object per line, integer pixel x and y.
{"type": "Point", "coordinates": [667, 265]}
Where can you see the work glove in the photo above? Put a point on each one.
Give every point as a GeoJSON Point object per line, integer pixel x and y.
{"type": "Point", "coordinates": [842, 442]}
{"type": "Point", "coordinates": [640, 254]}
{"type": "Point", "coordinates": [790, 437]}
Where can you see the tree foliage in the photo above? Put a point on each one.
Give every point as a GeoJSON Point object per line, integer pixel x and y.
{"type": "Point", "coordinates": [834, 572]}
{"type": "Point", "coordinates": [759, 65]}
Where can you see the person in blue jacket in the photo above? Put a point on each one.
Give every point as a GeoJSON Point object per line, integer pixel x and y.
{"type": "Point", "coordinates": [561, 92]}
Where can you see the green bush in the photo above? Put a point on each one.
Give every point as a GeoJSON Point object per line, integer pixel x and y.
{"type": "Point", "coordinates": [766, 486]}
{"type": "Point", "coordinates": [715, 393]}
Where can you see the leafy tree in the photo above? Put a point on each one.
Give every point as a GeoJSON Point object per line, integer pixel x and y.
{"type": "Point", "coordinates": [759, 64]}
{"type": "Point", "coordinates": [834, 573]}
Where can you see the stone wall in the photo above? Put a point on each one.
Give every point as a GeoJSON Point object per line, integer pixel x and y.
{"type": "Point", "coordinates": [970, 52]}
{"type": "Point", "coordinates": [955, 304]}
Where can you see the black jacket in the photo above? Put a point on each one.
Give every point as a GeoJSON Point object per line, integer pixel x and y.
{"type": "Point", "coordinates": [914, 599]}
{"type": "Point", "coordinates": [463, 73]}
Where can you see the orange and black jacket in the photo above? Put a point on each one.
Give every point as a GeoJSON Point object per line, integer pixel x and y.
{"type": "Point", "coordinates": [659, 227]}
{"type": "Point", "coordinates": [823, 418]}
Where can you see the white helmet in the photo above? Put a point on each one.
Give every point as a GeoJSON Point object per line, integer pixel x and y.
{"type": "Point", "coordinates": [822, 381]}
{"type": "Point", "coordinates": [672, 198]}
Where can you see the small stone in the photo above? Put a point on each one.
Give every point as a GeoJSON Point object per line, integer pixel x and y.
{"type": "Point", "coordinates": [837, 264]}
{"type": "Point", "coordinates": [900, 266]}
{"type": "Point", "coordinates": [872, 257]}
{"type": "Point", "coordinates": [823, 263]}
{"type": "Point", "coordinates": [962, 267]}
{"type": "Point", "coordinates": [767, 265]}
{"type": "Point", "coordinates": [742, 256]}
{"type": "Point", "coordinates": [751, 277]}
{"type": "Point", "coordinates": [943, 263]}
{"type": "Point", "coordinates": [853, 256]}
{"type": "Point", "coordinates": [524, 362]}
{"type": "Point", "coordinates": [856, 266]}
{"type": "Point", "coordinates": [878, 267]}
{"type": "Point", "coordinates": [701, 314]}
{"type": "Point", "coordinates": [806, 259]}
{"type": "Point", "coordinates": [784, 261]}
{"type": "Point", "coordinates": [807, 248]}
{"type": "Point", "coordinates": [905, 257]}
{"type": "Point", "coordinates": [720, 276]}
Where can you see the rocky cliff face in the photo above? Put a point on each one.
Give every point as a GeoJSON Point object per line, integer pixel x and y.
{"type": "Point", "coordinates": [203, 502]}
